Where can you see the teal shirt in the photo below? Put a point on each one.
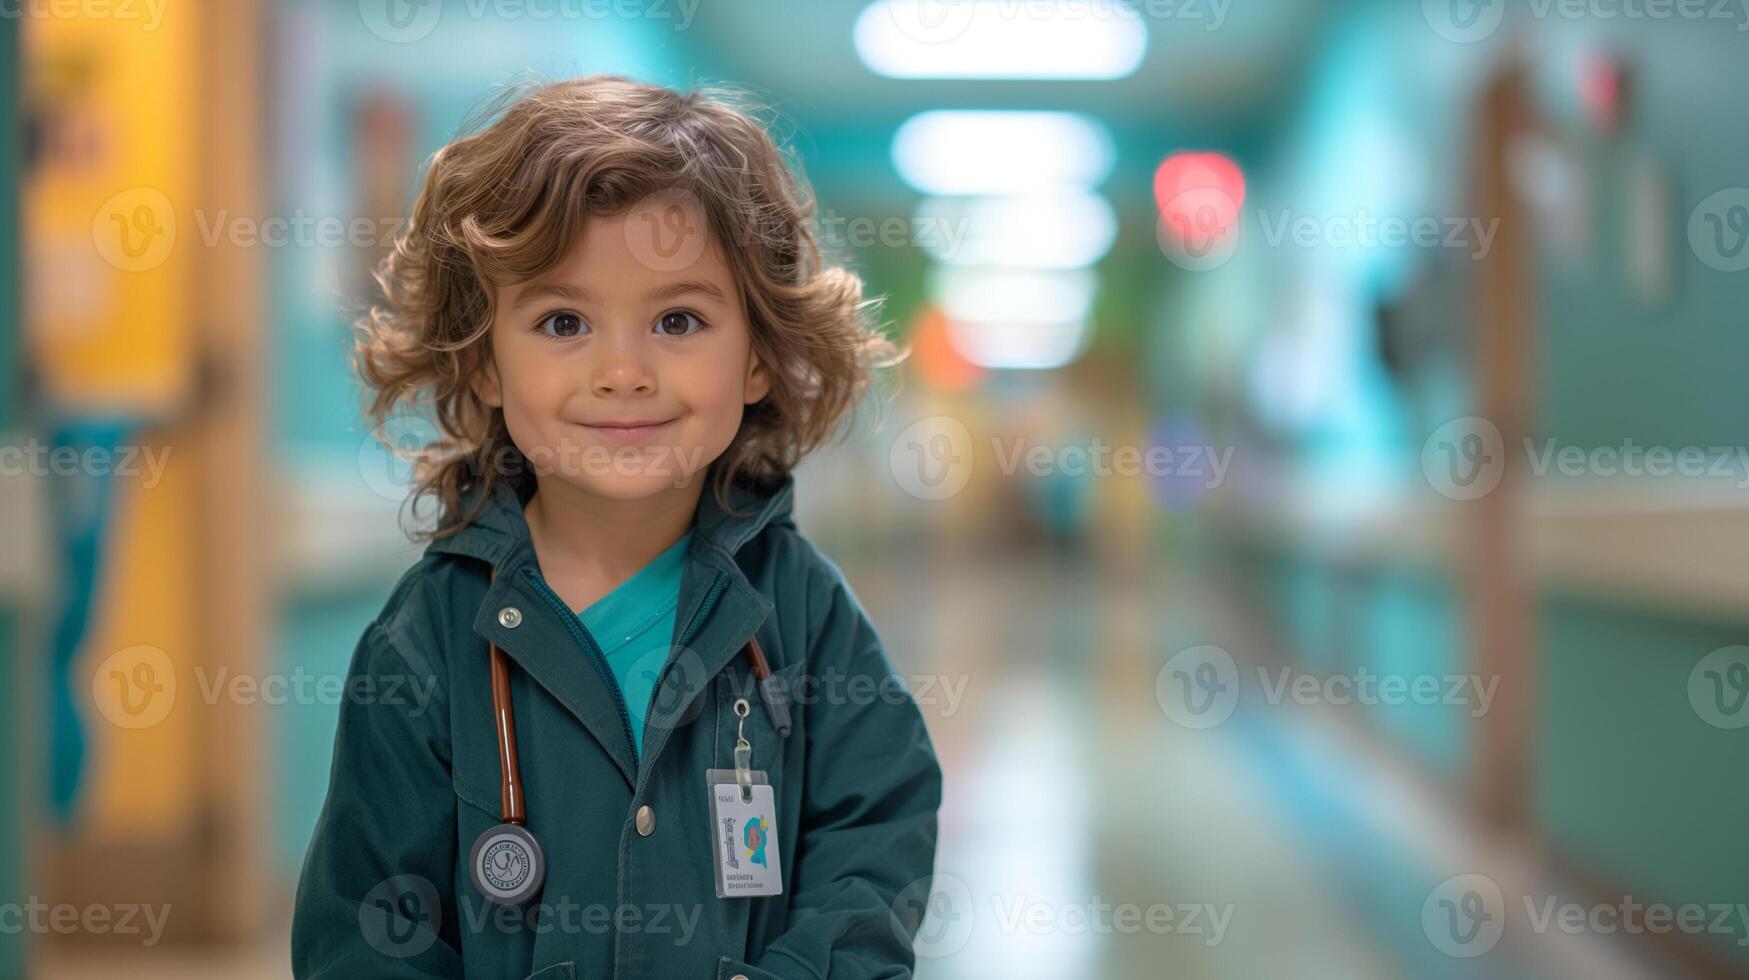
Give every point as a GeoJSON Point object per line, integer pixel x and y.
{"type": "Point", "coordinates": [634, 626]}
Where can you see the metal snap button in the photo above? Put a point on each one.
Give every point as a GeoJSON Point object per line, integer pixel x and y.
{"type": "Point", "coordinates": [739, 976]}
{"type": "Point", "coordinates": [646, 821]}
{"type": "Point", "coordinates": [510, 617]}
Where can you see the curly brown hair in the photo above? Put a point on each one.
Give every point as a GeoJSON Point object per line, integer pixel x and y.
{"type": "Point", "coordinates": [502, 204]}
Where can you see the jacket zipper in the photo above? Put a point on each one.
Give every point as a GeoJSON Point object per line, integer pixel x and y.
{"type": "Point", "coordinates": [590, 649]}
{"type": "Point", "coordinates": [711, 598]}
{"type": "Point", "coordinates": [718, 587]}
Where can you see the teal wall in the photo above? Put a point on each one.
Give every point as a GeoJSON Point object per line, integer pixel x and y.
{"type": "Point", "coordinates": [1631, 782]}
{"type": "Point", "coordinates": [1628, 779]}
{"type": "Point", "coordinates": [1627, 782]}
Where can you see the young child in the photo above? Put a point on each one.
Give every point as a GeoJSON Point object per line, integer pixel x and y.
{"type": "Point", "coordinates": [655, 734]}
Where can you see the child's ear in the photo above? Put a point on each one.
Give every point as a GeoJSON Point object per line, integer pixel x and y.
{"type": "Point", "coordinates": [485, 384]}
{"type": "Point", "coordinates": [758, 384]}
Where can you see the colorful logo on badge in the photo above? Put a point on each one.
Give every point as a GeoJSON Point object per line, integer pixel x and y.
{"type": "Point", "coordinates": [753, 835]}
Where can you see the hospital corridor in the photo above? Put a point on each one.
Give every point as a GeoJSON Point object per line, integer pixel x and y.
{"type": "Point", "coordinates": [1309, 510]}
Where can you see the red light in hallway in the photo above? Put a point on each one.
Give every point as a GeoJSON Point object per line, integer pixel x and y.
{"type": "Point", "coordinates": [1199, 195]}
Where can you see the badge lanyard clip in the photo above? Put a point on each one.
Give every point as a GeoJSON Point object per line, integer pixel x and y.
{"type": "Point", "coordinates": [743, 751]}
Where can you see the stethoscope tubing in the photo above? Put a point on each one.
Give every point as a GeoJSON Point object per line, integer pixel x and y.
{"type": "Point", "coordinates": [510, 796]}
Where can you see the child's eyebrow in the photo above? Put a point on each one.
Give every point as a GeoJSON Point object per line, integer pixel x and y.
{"type": "Point", "coordinates": [565, 290]}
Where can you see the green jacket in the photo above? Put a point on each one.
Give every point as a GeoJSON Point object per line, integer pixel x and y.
{"type": "Point", "coordinates": [385, 891]}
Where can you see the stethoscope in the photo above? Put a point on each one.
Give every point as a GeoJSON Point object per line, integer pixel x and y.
{"type": "Point", "coordinates": [507, 863]}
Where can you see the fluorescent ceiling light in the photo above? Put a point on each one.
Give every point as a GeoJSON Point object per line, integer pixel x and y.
{"type": "Point", "coordinates": [972, 293]}
{"type": "Point", "coordinates": [965, 152]}
{"type": "Point", "coordinates": [1019, 344]}
{"type": "Point", "coordinates": [1049, 231]}
{"type": "Point", "coordinates": [1098, 39]}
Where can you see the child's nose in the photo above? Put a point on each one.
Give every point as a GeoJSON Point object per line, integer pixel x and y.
{"type": "Point", "coordinates": [623, 371]}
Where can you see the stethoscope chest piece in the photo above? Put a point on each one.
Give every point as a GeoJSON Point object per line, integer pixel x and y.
{"type": "Point", "coordinates": [507, 864]}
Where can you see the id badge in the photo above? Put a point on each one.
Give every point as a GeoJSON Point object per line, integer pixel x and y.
{"type": "Point", "coordinates": [744, 835]}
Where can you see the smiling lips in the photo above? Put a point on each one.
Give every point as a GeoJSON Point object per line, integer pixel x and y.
{"type": "Point", "coordinates": [628, 432]}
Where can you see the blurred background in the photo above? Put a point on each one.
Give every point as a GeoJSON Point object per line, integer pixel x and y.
{"type": "Point", "coordinates": [1313, 516]}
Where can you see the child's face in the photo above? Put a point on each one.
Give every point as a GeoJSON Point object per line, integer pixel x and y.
{"type": "Point", "coordinates": [624, 369]}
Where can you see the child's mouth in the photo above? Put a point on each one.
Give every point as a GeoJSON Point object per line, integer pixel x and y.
{"type": "Point", "coordinates": [630, 432]}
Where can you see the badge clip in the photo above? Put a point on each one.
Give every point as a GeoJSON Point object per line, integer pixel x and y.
{"type": "Point", "coordinates": [743, 751]}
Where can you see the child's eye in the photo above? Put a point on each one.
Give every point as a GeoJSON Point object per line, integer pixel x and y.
{"type": "Point", "coordinates": [561, 325]}
{"type": "Point", "coordinates": [679, 323]}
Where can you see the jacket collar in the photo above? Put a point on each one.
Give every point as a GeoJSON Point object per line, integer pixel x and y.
{"type": "Point", "coordinates": [499, 530]}
{"type": "Point", "coordinates": [717, 610]}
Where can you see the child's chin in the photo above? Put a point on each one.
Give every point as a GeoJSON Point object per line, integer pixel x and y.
{"type": "Point", "coordinates": [632, 486]}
